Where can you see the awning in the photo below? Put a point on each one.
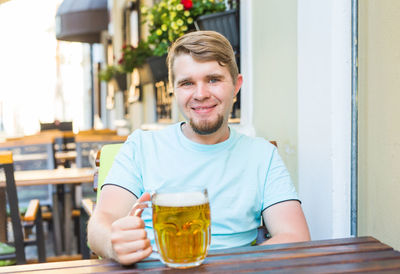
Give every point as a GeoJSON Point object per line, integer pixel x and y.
{"type": "Point", "coordinates": [81, 20]}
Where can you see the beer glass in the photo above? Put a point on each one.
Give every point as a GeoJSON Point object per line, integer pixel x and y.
{"type": "Point", "coordinates": [181, 223]}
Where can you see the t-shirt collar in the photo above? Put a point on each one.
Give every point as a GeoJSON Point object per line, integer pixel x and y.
{"type": "Point", "coordinates": [203, 147]}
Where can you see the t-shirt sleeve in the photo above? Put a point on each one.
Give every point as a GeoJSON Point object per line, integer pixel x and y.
{"type": "Point", "coordinates": [278, 184]}
{"type": "Point", "coordinates": [126, 171]}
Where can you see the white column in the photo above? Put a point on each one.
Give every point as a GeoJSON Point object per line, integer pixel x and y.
{"type": "Point", "coordinates": [246, 100]}
{"type": "Point", "coordinates": [324, 115]}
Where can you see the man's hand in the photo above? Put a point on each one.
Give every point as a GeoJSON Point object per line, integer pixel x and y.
{"type": "Point", "coordinates": [129, 238]}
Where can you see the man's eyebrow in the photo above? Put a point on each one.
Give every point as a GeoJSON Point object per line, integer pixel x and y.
{"type": "Point", "coordinates": [183, 80]}
{"type": "Point", "coordinates": [215, 75]}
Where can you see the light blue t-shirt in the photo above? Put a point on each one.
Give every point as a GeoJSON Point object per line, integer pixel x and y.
{"type": "Point", "coordinates": [243, 176]}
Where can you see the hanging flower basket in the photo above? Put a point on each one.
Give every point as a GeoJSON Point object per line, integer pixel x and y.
{"type": "Point", "coordinates": [145, 75]}
{"type": "Point", "coordinates": [154, 70]}
{"type": "Point", "coordinates": [158, 67]}
{"type": "Point", "coordinates": [121, 81]}
{"type": "Point", "coordinates": [225, 22]}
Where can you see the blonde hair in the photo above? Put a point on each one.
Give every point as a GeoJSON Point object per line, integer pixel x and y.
{"type": "Point", "coordinates": [203, 46]}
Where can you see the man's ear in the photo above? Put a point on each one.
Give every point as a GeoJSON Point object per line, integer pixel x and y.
{"type": "Point", "coordinates": [238, 85]}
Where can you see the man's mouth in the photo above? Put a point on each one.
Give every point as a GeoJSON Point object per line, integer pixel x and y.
{"type": "Point", "coordinates": [203, 109]}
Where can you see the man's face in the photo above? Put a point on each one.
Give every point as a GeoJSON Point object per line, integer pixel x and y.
{"type": "Point", "coordinates": [204, 92]}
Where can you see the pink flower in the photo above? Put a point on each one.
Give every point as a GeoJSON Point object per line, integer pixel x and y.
{"type": "Point", "coordinates": [187, 4]}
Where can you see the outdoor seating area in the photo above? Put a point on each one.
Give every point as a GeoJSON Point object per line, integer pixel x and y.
{"type": "Point", "coordinates": [199, 136]}
{"type": "Point", "coordinates": [58, 180]}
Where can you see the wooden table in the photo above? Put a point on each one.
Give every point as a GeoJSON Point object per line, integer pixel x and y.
{"type": "Point", "coordinates": [360, 254]}
{"type": "Point", "coordinates": [52, 176]}
{"type": "Point", "coordinates": [61, 176]}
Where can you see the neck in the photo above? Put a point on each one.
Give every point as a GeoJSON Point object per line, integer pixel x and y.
{"type": "Point", "coordinates": [219, 136]}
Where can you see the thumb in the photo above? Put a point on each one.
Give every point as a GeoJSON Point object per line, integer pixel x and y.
{"type": "Point", "coordinates": [140, 204]}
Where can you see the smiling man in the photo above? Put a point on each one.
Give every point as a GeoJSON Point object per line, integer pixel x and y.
{"type": "Point", "coordinates": [244, 176]}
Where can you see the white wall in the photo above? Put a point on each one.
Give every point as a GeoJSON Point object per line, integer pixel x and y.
{"type": "Point", "coordinates": [379, 126]}
{"type": "Point", "coordinates": [274, 75]}
{"type": "Point", "coordinates": [300, 79]}
{"type": "Point", "coordinates": [324, 115]}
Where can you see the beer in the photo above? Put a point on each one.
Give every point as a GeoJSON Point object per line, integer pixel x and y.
{"type": "Point", "coordinates": [181, 223]}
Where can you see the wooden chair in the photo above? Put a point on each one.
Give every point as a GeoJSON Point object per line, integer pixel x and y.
{"type": "Point", "coordinates": [37, 152]}
{"type": "Point", "coordinates": [87, 144]}
{"type": "Point", "coordinates": [104, 158]}
{"type": "Point", "coordinates": [32, 217]}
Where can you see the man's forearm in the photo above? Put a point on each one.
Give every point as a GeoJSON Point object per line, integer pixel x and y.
{"type": "Point", "coordinates": [99, 237]}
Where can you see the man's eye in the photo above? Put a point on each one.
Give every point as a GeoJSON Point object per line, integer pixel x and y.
{"type": "Point", "coordinates": [186, 84]}
{"type": "Point", "coordinates": [214, 80]}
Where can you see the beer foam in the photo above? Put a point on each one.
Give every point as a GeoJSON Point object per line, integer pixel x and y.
{"type": "Point", "coordinates": [180, 199]}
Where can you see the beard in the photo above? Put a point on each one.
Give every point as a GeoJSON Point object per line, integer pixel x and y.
{"type": "Point", "coordinates": [206, 127]}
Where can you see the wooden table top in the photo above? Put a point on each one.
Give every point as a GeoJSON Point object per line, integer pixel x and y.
{"type": "Point", "coordinates": [360, 254]}
{"type": "Point", "coordinates": [52, 176]}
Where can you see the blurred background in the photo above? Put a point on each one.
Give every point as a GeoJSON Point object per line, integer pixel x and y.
{"type": "Point", "coordinates": [42, 79]}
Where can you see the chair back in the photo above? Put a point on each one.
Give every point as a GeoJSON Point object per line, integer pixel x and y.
{"type": "Point", "coordinates": [107, 156]}
{"type": "Point", "coordinates": [85, 143]}
{"type": "Point", "coordinates": [32, 153]}
{"type": "Point", "coordinates": [62, 126]}
{"type": "Point", "coordinates": [104, 160]}
{"type": "Point", "coordinates": [33, 215]}
{"type": "Point", "coordinates": [6, 164]}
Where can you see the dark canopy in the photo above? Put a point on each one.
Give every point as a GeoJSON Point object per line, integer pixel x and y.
{"type": "Point", "coordinates": [81, 20]}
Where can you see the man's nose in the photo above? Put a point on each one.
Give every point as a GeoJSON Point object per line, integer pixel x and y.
{"type": "Point", "coordinates": [202, 92]}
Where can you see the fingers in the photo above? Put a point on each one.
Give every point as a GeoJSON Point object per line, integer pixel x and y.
{"type": "Point", "coordinates": [128, 223]}
{"type": "Point", "coordinates": [131, 258]}
{"type": "Point", "coordinates": [144, 197]}
{"type": "Point", "coordinates": [131, 247]}
{"type": "Point", "coordinates": [138, 207]}
{"type": "Point", "coordinates": [128, 236]}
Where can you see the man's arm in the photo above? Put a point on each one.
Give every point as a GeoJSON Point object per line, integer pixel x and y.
{"type": "Point", "coordinates": [286, 223]}
{"type": "Point", "coordinates": [114, 231]}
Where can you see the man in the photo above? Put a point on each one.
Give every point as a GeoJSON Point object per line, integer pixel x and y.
{"type": "Point", "coordinates": [245, 176]}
